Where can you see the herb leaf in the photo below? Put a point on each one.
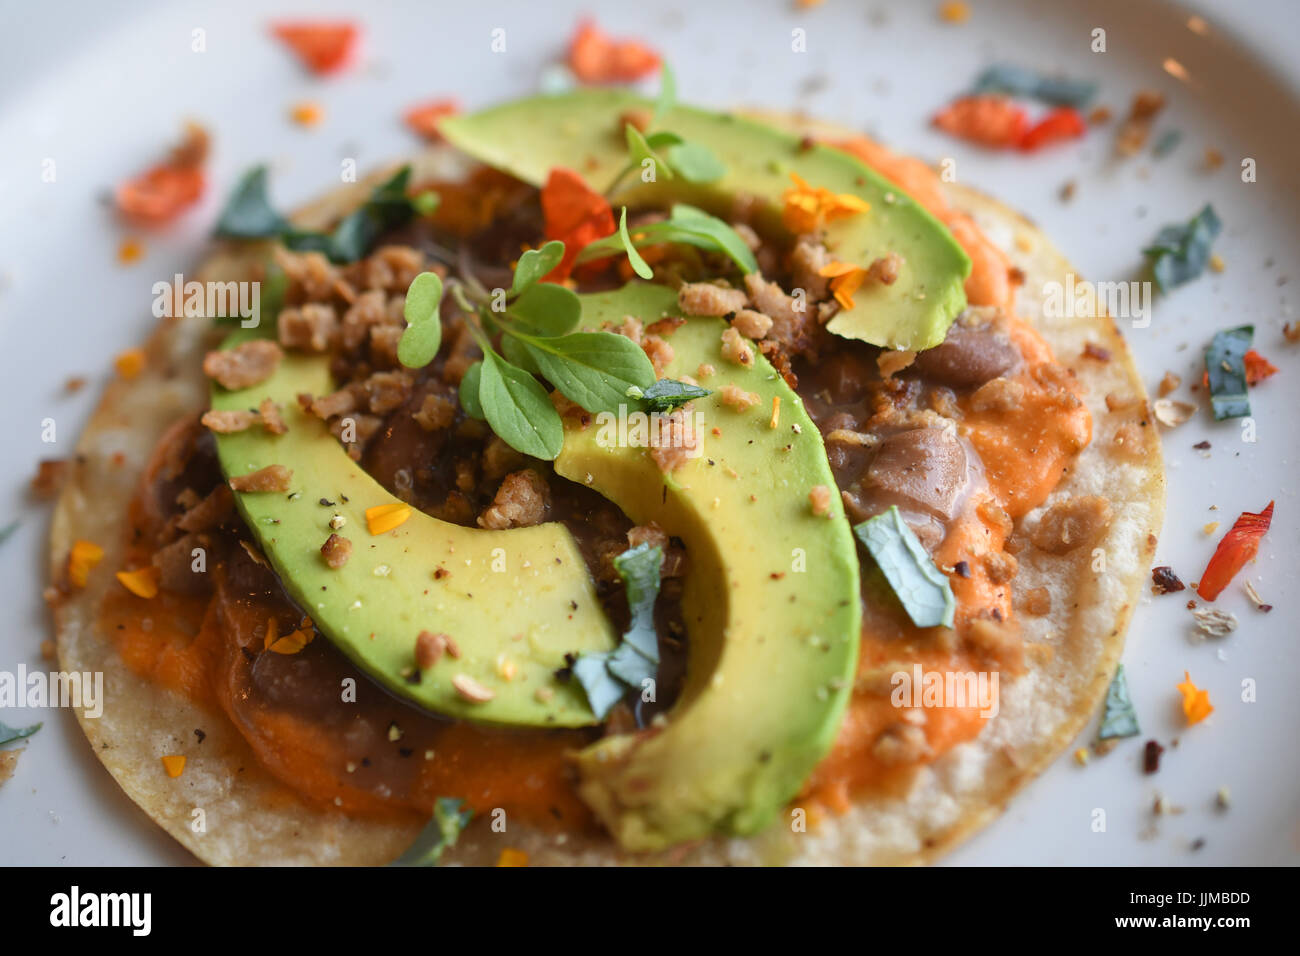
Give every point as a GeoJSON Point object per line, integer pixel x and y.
{"type": "Point", "coordinates": [469, 392]}
{"type": "Point", "coordinates": [423, 333]}
{"type": "Point", "coordinates": [1225, 364]}
{"type": "Point", "coordinates": [696, 163]}
{"type": "Point", "coordinates": [387, 208]}
{"type": "Point", "coordinates": [639, 151]}
{"type": "Point", "coordinates": [687, 225]}
{"type": "Point", "coordinates": [639, 265]}
{"type": "Point", "coordinates": [594, 369]}
{"type": "Point", "coordinates": [547, 309]}
{"type": "Point", "coordinates": [607, 677]}
{"type": "Point", "coordinates": [449, 819]}
{"type": "Point", "coordinates": [1180, 253]}
{"type": "Point", "coordinates": [1118, 718]}
{"type": "Point", "coordinates": [248, 213]}
{"type": "Point", "coordinates": [10, 734]}
{"type": "Point", "coordinates": [7, 530]}
{"type": "Point", "coordinates": [535, 264]}
{"type": "Point", "coordinates": [519, 410]}
{"type": "Point", "coordinates": [666, 101]}
{"type": "Point", "coordinates": [922, 588]}
{"type": "Point", "coordinates": [667, 393]}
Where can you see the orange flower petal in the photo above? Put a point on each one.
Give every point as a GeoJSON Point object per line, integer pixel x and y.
{"type": "Point", "coordinates": [174, 764]}
{"type": "Point", "coordinates": [142, 582]}
{"type": "Point", "coordinates": [81, 560]}
{"type": "Point", "coordinates": [384, 518]}
{"type": "Point", "coordinates": [1196, 702]}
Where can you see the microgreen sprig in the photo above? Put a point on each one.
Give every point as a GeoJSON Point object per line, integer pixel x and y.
{"type": "Point", "coordinates": [534, 323]}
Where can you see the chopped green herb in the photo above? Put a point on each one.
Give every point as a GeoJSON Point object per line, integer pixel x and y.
{"type": "Point", "coordinates": [248, 213]}
{"type": "Point", "coordinates": [449, 820]}
{"type": "Point", "coordinates": [8, 530]}
{"type": "Point", "coordinates": [423, 333]}
{"type": "Point", "coordinates": [1019, 81]}
{"type": "Point", "coordinates": [1180, 253]}
{"type": "Point", "coordinates": [922, 588]}
{"type": "Point", "coordinates": [10, 734]}
{"type": "Point", "coordinates": [1225, 365]}
{"type": "Point", "coordinates": [666, 394]}
{"type": "Point", "coordinates": [1118, 718]}
{"type": "Point", "coordinates": [607, 677]}
{"type": "Point", "coordinates": [388, 207]}
{"type": "Point", "coordinates": [1167, 143]}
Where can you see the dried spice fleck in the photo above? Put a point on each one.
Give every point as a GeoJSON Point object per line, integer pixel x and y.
{"type": "Point", "coordinates": [1164, 581]}
{"type": "Point", "coordinates": [1151, 756]}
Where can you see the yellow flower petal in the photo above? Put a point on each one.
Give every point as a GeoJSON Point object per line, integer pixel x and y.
{"type": "Point", "coordinates": [384, 518]}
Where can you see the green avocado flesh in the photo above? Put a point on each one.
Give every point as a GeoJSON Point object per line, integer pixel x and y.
{"type": "Point", "coordinates": [583, 131]}
{"type": "Point", "coordinates": [520, 598]}
{"type": "Point", "coordinates": [771, 601]}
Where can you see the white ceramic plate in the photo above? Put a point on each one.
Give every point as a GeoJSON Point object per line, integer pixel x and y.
{"type": "Point", "coordinates": [101, 92]}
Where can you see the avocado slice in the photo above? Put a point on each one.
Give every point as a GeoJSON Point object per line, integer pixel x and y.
{"type": "Point", "coordinates": [515, 602]}
{"type": "Point", "coordinates": [583, 130]}
{"type": "Point", "coordinates": [771, 601]}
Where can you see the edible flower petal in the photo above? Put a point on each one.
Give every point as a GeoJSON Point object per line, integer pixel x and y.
{"type": "Point", "coordinates": [322, 47]}
{"type": "Point", "coordinates": [424, 118]}
{"type": "Point", "coordinates": [1238, 546]}
{"type": "Point", "coordinates": [846, 279]}
{"type": "Point", "coordinates": [384, 518]}
{"type": "Point", "coordinates": [81, 559]}
{"type": "Point", "coordinates": [142, 582]}
{"type": "Point", "coordinates": [574, 214]}
{"type": "Point", "coordinates": [596, 58]}
{"type": "Point", "coordinates": [1196, 702]}
{"type": "Point", "coordinates": [807, 208]}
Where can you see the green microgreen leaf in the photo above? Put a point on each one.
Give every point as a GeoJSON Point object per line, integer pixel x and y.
{"type": "Point", "coordinates": [686, 225]}
{"type": "Point", "coordinates": [248, 213]}
{"type": "Point", "coordinates": [666, 394]}
{"type": "Point", "coordinates": [639, 151]}
{"type": "Point", "coordinates": [519, 410]}
{"type": "Point", "coordinates": [516, 353]}
{"type": "Point", "coordinates": [921, 587]}
{"type": "Point", "coordinates": [666, 101]}
{"type": "Point", "coordinates": [1179, 253]}
{"type": "Point", "coordinates": [695, 163]}
{"type": "Point", "coordinates": [547, 309]}
{"type": "Point", "coordinates": [10, 734]}
{"type": "Point", "coordinates": [639, 265]}
{"type": "Point", "coordinates": [1118, 718]}
{"type": "Point", "coordinates": [1225, 364]}
{"type": "Point", "coordinates": [449, 820]}
{"type": "Point", "coordinates": [423, 333]}
{"type": "Point", "coordinates": [607, 677]}
{"type": "Point", "coordinates": [536, 264]}
{"type": "Point", "coordinates": [469, 385]}
{"type": "Point", "coordinates": [594, 369]}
